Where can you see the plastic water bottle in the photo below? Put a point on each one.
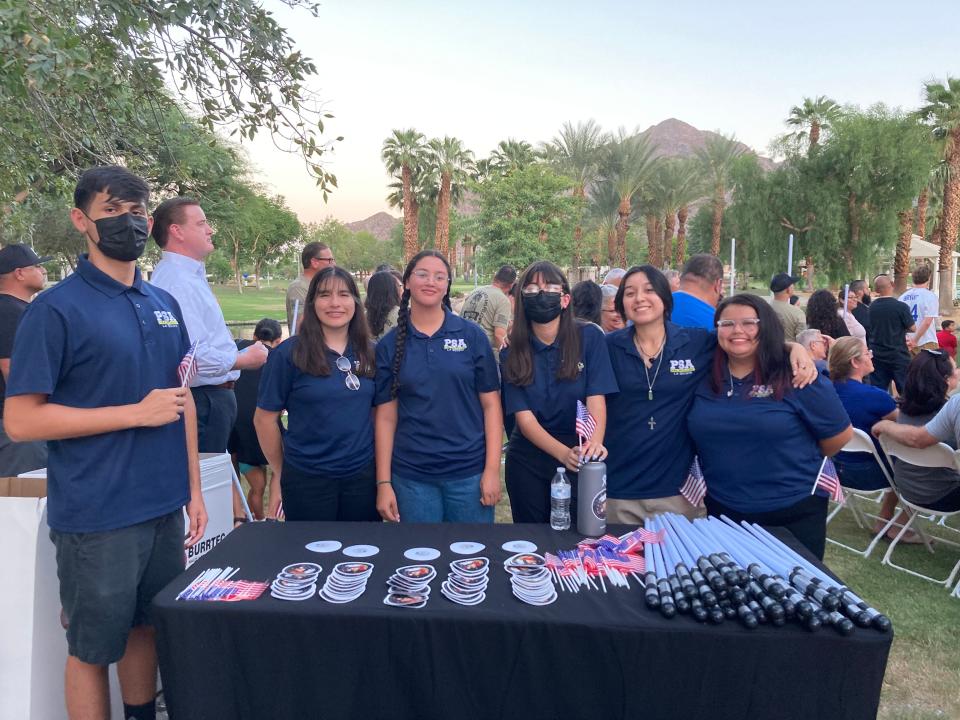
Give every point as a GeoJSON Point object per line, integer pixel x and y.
{"type": "Point", "coordinates": [560, 500]}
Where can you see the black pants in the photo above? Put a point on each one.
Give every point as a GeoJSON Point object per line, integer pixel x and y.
{"type": "Point", "coordinates": [807, 520]}
{"type": "Point", "coordinates": [529, 471]}
{"type": "Point", "coordinates": [312, 496]}
{"type": "Point", "coordinates": [948, 503]}
{"type": "Point", "coordinates": [886, 370]}
{"type": "Point", "coordinates": [216, 414]}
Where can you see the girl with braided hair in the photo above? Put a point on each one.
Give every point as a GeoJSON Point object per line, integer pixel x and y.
{"type": "Point", "coordinates": [438, 422]}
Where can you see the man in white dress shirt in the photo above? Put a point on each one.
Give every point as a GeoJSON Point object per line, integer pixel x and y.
{"type": "Point", "coordinates": [181, 230]}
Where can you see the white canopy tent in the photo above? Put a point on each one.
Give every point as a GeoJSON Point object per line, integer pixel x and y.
{"type": "Point", "coordinates": [921, 249]}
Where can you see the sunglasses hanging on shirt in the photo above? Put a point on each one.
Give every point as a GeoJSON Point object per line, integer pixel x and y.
{"type": "Point", "coordinates": [345, 366]}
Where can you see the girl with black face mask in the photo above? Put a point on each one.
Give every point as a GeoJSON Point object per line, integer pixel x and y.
{"type": "Point", "coordinates": [552, 361]}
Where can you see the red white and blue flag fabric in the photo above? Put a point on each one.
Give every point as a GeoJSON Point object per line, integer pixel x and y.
{"type": "Point", "coordinates": [187, 369]}
{"type": "Point", "coordinates": [829, 480]}
{"type": "Point", "coordinates": [695, 487]}
{"type": "Point", "coordinates": [585, 422]}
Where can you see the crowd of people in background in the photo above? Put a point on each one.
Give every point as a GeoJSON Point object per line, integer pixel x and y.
{"type": "Point", "coordinates": [393, 407]}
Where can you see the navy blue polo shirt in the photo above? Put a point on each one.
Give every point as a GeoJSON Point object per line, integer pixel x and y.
{"type": "Point", "coordinates": [440, 431]}
{"type": "Point", "coordinates": [690, 311]}
{"type": "Point", "coordinates": [91, 342]}
{"type": "Point", "coordinates": [552, 401]}
{"type": "Point", "coordinates": [646, 463]}
{"type": "Point", "coordinates": [329, 426]}
{"type": "Point", "coordinates": [760, 454]}
{"type": "Point", "coordinates": [866, 405]}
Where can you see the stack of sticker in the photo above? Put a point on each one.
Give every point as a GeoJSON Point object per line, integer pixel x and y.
{"type": "Point", "coordinates": [346, 582]}
{"type": "Point", "coordinates": [409, 586]}
{"type": "Point", "coordinates": [530, 579]}
{"type": "Point", "coordinates": [467, 581]}
{"type": "Point", "coordinates": [296, 582]}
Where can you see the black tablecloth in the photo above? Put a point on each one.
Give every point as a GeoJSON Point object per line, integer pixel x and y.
{"type": "Point", "coordinates": [589, 655]}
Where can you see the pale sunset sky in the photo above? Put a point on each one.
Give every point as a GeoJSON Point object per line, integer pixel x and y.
{"type": "Point", "coordinates": [487, 71]}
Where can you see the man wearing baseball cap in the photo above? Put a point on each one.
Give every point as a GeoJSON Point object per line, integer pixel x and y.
{"type": "Point", "coordinates": [21, 277]}
{"type": "Point", "coordinates": [791, 317]}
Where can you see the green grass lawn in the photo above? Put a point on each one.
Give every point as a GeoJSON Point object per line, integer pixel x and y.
{"type": "Point", "coordinates": [252, 305]}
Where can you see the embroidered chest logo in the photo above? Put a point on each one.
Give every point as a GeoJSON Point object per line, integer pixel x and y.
{"type": "Point", "coordinates": [682, 367]}
{"type": "Point", "coordinates": [455, 345]}
{"type": "Point", "coordinates": [165, 318]}
{"type": "Point", "coordinates": [761, 391]}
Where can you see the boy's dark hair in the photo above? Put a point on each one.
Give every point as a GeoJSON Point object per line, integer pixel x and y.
{"type": "Point", "coordinates": [506, 275]}
{"type": "Point", "coordinates": [169, 212]}
{"type": "Point", "coordinates": [946, 324]}
{"type": "Point", "coordinates": [114, 180]}
{"type": "Point", "coordinates": [268, 330]}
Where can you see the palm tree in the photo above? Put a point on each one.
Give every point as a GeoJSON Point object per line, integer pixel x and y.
{"type": "Point", "coordinates": [629, 165]}
{"type": "Point", "coordinates": [511, 155]}
{"type": "Point", "coordinates": [901, 258]}
{"type": "Point", "coordinates": [403, 153]}
{"type": "Point", "coordinates": [812, 117]}
{"type": "Point", "coordinates": [454, 164]}
{"type": "Point", "coordinates": [942, 109]}
{"type": "Point", "coordinates": [602, 214]}
{"type": "Point", "coordinates": [576, 153]}
{"type": "Point", "coordinates": [716, 159]}
{"type": "Point", "coordinates": [680, 185]}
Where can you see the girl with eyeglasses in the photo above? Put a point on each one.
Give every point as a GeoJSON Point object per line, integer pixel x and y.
{"type": "Point", "coordinates": [658, 366]}
{"type": "Point", "coordinates": [850, 362]}
{"type": "Point", "coordinates": [761, 441]}
{"type": "Point", "coordinates": [323, 377]}
{"type": "Point", "coordinates": [553, 360]}
{"type": "Point", "coordinates": [439, 426]}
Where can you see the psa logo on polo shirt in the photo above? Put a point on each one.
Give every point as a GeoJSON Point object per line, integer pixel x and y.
{"type": "Point", "coordinates": [682, 367]}
{"type": "Point", "coordinates": [455, 345]}
{"type": "Point", "coordinates": [167, 319]}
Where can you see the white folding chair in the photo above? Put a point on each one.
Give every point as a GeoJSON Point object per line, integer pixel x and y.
{"type": "Point", "coordinates": [861, 443]}
{"type": "Point", "coordinates": [935, 456]}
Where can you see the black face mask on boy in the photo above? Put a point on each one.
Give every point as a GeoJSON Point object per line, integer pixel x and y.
{"type": "Point", "coordinates": [122, 237]}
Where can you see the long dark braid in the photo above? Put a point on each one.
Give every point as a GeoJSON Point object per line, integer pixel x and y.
{"type": "Point", "coordinates": [403, 313]}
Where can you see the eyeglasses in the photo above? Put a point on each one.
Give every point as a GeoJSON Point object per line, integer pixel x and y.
{"type": "Point", "coordinates": [869, 353]}
{"type": "Point", "coordinates": [345, 366]}
{"type": "Point", "coordinates": [424, 275]}
{"type": "Point", "coordinates": [328, 260]}
{"type": "Point", "coordinates": [748, 324]}
{"type": "Point", "coordinates": [547, 289]}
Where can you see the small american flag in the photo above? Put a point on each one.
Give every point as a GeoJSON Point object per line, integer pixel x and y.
{"type": "Point", "coordinates": [695, 488]}
{"type": "Point", "coordinates": [585, 422]}
{"type": "Point", "coordinates": [827, 479]}
{"type": "Point", "coordinates": [187, 369]}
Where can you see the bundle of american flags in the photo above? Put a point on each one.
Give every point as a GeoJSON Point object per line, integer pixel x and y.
{"type": "Point", "coordinates": [215, 584]}
{"type": "Point", "coordinates": [594, 561]}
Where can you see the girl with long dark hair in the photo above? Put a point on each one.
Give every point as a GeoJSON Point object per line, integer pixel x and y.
{"type": "Point", "coordinates": [439, 427]}
{"type": "Point", "coordinates": [553, 360]}
{"type": "Point", "coordinates": [761, 442]}
{"type": "Point", "coordinates": [822, 314]}
{"type": "Point", "coordinates": [382, 303]}
{"type": "Point", "coordinates": [323, 377]}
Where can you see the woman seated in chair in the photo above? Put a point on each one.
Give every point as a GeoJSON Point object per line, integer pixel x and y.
{"type": "Point", "coordinates": [931, 377]}
{"type": "Point", "coordinates": [850, 361]}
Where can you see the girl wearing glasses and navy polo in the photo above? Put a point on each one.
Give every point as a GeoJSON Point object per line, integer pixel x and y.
{"type": "Point", "coordinates": [761, 441]}
{"type": "Point", "coordinates": [323, 377]}
{"type": "Point", "coordinates": [439, 426]}
{"type": "Point", "coordinates": [553, 360]}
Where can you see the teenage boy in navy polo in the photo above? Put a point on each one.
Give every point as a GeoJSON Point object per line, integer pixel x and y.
{"type": "Point", "coordinates": [94, 372]}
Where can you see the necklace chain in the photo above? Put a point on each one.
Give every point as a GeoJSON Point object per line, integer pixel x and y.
{"type": "Point", "coordinates": [646, 370]}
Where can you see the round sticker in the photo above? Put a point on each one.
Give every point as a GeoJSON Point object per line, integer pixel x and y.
{"type": "Point", "coordinates": [361, 550]}
{"type": "Point", "coordinates": [422, 553]}
{"type": "Point", "coordinates": [466, 548]}
{"type": "Point", "coordinates": [519, 546]}
{"type": "Point", "coordinates": [324, 546]}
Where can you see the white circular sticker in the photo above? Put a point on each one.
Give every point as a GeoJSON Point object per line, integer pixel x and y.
{"type": "Point", "coordinates": [467, 548]}
{"type": "Point", "coordinates": [361, 550]}
{"type": "Point", "coordinates": [422, 553]}
{"type": "Point", "coordinates": [324, 546]}
{"type": "Point", "coordinates": [519, 546]}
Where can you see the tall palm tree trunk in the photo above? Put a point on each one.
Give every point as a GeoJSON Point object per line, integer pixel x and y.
{"type": "Point", "coordinates": [410, 212]}
{"type": "Point", "coordinates": [653, 241]}
{"type": "Point", "coordinates": [681, 235]}
{"type": "Point", "coordinates": [718, 203]}
{"type": "Point", "coordinates": [623, 225]}
{"type": "Point", "coordinates": [901, 260]}
{"type": "Point", "coordinates": [612, 246]}
{"type": "Point", "coordinates": [441, 239]}
{"type": "Point", "coordinates": [811, 269]}
{"type": "Point", "coordinates": [669, 228]}
{"type": "Point", "coordinates": [580, 193]}
{"type": "Point", "coordinates": [949, 222]}
{"type": "Point", "coordinates": [814, 135]}
{"type": "Point", "coordinates": [922, 203]}
{"type": "Point", "coordinates": [853, 218]}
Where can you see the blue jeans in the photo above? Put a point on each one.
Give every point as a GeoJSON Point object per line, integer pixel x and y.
{"type": "Point", "coordinates": [432, 500]}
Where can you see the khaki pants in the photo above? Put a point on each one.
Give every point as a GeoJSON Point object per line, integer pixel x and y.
{"type": "Point", "coordinates": [914, 351]}
{"type": "Point", "coordinates": [634, 512]}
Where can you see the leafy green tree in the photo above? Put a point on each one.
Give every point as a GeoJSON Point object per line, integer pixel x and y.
{"type": "Point", "coordinates": [716, 159]}
{"type": "Point", "coordinates": [811, 118]}
{"type": "Point", "coordinates": [525, 215]}
{"type": "Point", "coordinates": [404, 154]}
{"type": "Point", "coordinates": [84, 82]}
{"type": "Point", "coordinates": [510, 155]}
{"type": "Point", "coordinates": [273, 228]}
{"type": "Point", "coordinates": [628, 165]}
